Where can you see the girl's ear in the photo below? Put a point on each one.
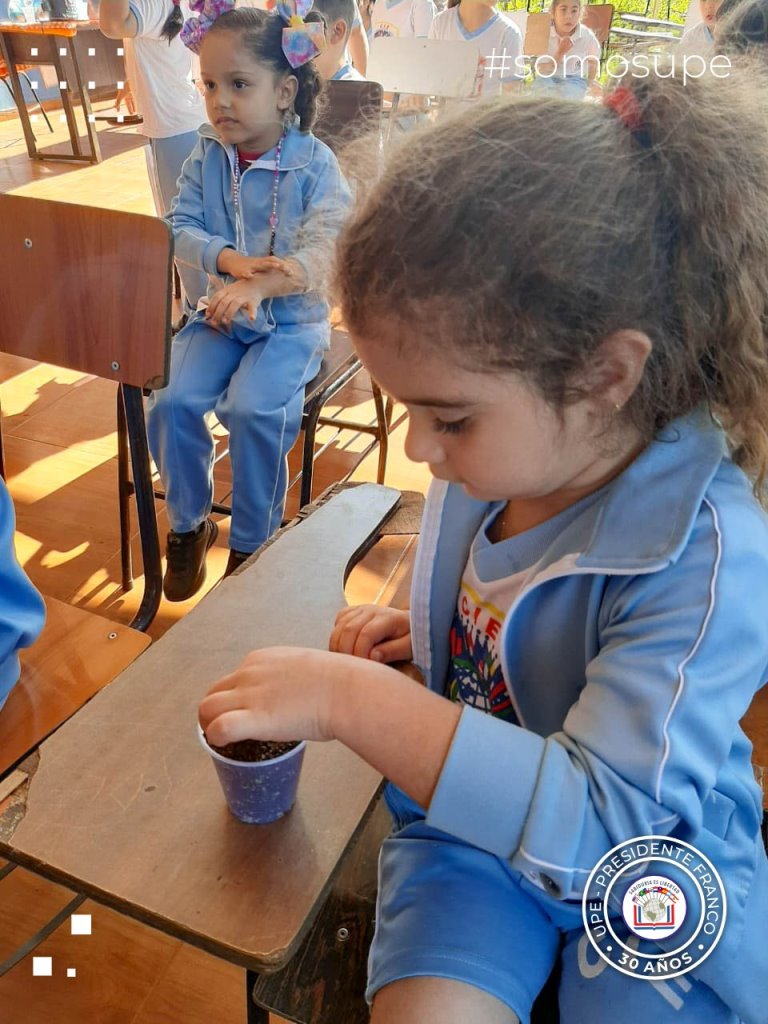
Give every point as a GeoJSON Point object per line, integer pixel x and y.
{"type": "Point", "coordinates": [338, 31]}
{"type": "Point", "coordinates": [616, 368]}
{"type": "Point", "coordinates": [286, 92]}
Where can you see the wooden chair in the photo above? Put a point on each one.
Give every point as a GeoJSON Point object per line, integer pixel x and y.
{"type": "Point", "coordinates": [90, 290]}
{"type": "Point", "coordinates": [22, 70]}
{"type": "Point", "coordinates": [599, 18]}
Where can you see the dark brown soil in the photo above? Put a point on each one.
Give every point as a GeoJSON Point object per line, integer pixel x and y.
{"type": "Point", "coordinates": [255, 750]}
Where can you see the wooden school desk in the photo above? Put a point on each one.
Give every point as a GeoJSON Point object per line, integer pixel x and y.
{"type": "Point", "coordinates": [86, 61]}
{"type": "Point", "coordinates": [124, 804]}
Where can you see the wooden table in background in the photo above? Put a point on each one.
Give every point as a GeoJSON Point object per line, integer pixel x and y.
{"type": "Point", "coordinates": [125, 805]}
{"type": "Point", "coordinates": [66, 46]}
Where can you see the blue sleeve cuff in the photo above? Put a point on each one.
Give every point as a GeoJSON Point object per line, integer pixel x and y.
{"type": "Point", "coordinates": [486, 786]}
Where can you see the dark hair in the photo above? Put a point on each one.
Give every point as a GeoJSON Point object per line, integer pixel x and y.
{"type": "Point", "coordinates": [337, 10]}
{"type": "Point", "coordinates": [522, 234]}
{"type": "Point", "coordinates": [261, 33]}
{"type": "Point", "coordinates": [741, 25]}
{"type": "Point", "coordinates": [173, 24]}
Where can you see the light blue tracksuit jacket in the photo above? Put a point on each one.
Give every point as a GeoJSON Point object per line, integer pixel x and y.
{"type": "Point", "coordinates": [252, 373]}
{"type": "Point", "coordinates": [631, 654]}
{"type": "Point", "coordinates": [22, 611]}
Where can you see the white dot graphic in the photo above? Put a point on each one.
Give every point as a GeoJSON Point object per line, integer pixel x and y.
{"type": "Point", "coordinates": [71, 972]}
{"type": "Point", "coordinates": [81, 924]}
{"type": "Point", "coordinates": [42, 966]}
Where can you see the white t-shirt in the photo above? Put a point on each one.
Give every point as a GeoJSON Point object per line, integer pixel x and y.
{"type": "Point", "coordinates": [696, 41]}
{"type": "Point", "coordinates": [574, 64]}
{"type": "Point", "coordinates": [161, 74]}
{"type": "Point", "coordinates": [402, 18]}
{"type": "Point", "coordinates": [499, 45]}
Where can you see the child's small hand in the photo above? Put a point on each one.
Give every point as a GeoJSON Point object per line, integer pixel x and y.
{"type": "Point", "coordinates": [565, 44]}
{"type": "Point", "coordinates": [279, 693]}
{"type": "Point", "coordinates": [235, 264]}
{"type": "Point", "coordinates": [227, 302]}
{"type": "Point", "coordinates": [370, 631]}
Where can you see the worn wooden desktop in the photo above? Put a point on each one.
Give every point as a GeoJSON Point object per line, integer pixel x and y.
{"type": "Point", "coordinates": [124, 804]}
{"type": "Point", "coordinates": [66, 46]}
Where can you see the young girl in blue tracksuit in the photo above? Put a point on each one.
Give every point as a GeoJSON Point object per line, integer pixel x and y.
{"type": "Point", "coordinates": [22, 612]}
{"type": "Point", "coordinates": [584, 358]}
{"type": "Point", "coordinates": [261, 202]}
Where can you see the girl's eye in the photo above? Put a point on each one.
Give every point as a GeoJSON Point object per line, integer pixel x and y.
{"type": "Point", "coordinates": [209, 86]}
{"type": "Point", "coordinates": [239, 83]}
{"type": "Point", "coordinates": [450, 426]}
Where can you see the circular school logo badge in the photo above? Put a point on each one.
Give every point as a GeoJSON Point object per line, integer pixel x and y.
{"type": "Point", "coordinates": [654, 907]}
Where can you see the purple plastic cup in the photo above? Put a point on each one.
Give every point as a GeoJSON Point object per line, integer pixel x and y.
{"type": "Point", "coordinates": [258, 792]}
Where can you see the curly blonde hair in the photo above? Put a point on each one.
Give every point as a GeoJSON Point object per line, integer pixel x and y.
{"type": "Point", "coordinates": [522, 234]}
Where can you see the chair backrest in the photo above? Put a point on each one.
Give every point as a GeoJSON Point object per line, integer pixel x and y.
{"type": "Point", "coordinates": [537, 29]}
{"type": "Point", "coordinates": [423, 67]}
{"type": "Point", "coordinates": [351, 109]}
{"type": "Point", "coordinates": [598, 18]}
{"type": "Point", "coordinates": [87, 289]}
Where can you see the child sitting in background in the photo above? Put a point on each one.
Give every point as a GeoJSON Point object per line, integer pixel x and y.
{"type": "Point", "coordinates": [333, 63]}
{"type": "Point", "coordinates": [22, 612]}
{"type": "Point", "coordinates": [261, 202]}
{"type": "Point", "coordinates": [574, 54]}
{"type": "Point", "coordinates": [589, 595]}
{"type": "Point", "coordinates": [700, 40]}
{"type": "Point", "coordinates": [479, 24]}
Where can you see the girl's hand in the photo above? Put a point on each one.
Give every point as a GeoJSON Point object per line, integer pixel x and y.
{"type": "Point", "coordinates": [227, 302]}
{"type": "Point", "coordinates": [279, 693]}
{"type": "Point", "coordinates": [370, 631]}
{"type": "Point", "coordinates": [565, 44]}
{"type": "Point", "coordinates": [235, 264]}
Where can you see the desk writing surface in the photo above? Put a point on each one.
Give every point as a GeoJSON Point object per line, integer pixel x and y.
{"type": "Point", "coordinates": [125, 803]}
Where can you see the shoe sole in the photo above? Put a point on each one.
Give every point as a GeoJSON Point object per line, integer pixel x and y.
{"type": "Point", "coordinates": [213, 531]}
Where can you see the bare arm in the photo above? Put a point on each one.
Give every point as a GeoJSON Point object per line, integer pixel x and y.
{"type": "Point", "coordinates": [116, 20]}
{"type": "Point", "coordinates": [358, 49]}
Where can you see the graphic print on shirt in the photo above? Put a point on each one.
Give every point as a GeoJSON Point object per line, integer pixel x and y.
{"type": "Point", "coordinates": [474, 675]}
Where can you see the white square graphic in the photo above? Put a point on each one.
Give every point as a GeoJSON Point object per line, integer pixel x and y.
{"type": "Point", "coordinates": [92, 118]}
{"type": "Point", "coordinates": [33, 52]}
{"type": "Point", "coordinates": [34, 117]}
{"type": "Point", "coordinates": [71, 972]}
{"type": "Point", "coordinates": [62, 51]}
{"type": "Point", "coordinates": [91, 51]}
{"type": "Point", "coordinates": [62, 86]}
{"type": "Point", "coordinates": [81, 924]}
{"type": "Point", "coordinates": [91, 85]}
{"type": "Point", "coordinates": [35, 85]}
{"type": "Point", "coordinates": [121, 85]}
{"type": "Point", "coordinates": [120, 51]}
{"type": "Point", "coordinates": [62, 119]}
{"type": "Point", "coordinates": [42, 966]}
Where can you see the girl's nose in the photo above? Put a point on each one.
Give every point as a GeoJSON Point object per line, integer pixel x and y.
{"type": "Point", "coordinates": [423, 445]}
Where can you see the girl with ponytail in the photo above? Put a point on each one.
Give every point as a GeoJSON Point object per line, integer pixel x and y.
{"type": "Point", "coordinates": [571, 301]}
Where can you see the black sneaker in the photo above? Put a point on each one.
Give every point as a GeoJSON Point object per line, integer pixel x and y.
{"type": "Point", "coordinates": [236, 559]}
{"type": "Point", "coordinates": [186, 553]}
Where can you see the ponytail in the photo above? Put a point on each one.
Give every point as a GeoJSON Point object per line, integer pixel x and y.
{"type": "Point", "coordinates": [173, 23]}
{"type": "Point", "coordinates": [661, 227]}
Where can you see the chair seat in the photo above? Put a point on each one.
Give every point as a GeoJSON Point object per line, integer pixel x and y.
{"type": "Point", "coordinates": [76, 655]}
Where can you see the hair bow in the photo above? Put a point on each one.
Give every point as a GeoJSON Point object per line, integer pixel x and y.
{"type": "Point", "coordinates": [194, 29]}
{"type": "Point", "coordinates": [301, 40]}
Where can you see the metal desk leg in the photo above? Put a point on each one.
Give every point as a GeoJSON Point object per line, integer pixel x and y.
{"type": "Point", "coordinates": [26, 124]}
{"type": "Point", "coordinates": [145, 506]}
{"type": "Point", "coordinates": [66, 94]}
{"type": "Point", "coordinates": [85, 102]}
{"type": "Point", "coordinates": [254, 1014]}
